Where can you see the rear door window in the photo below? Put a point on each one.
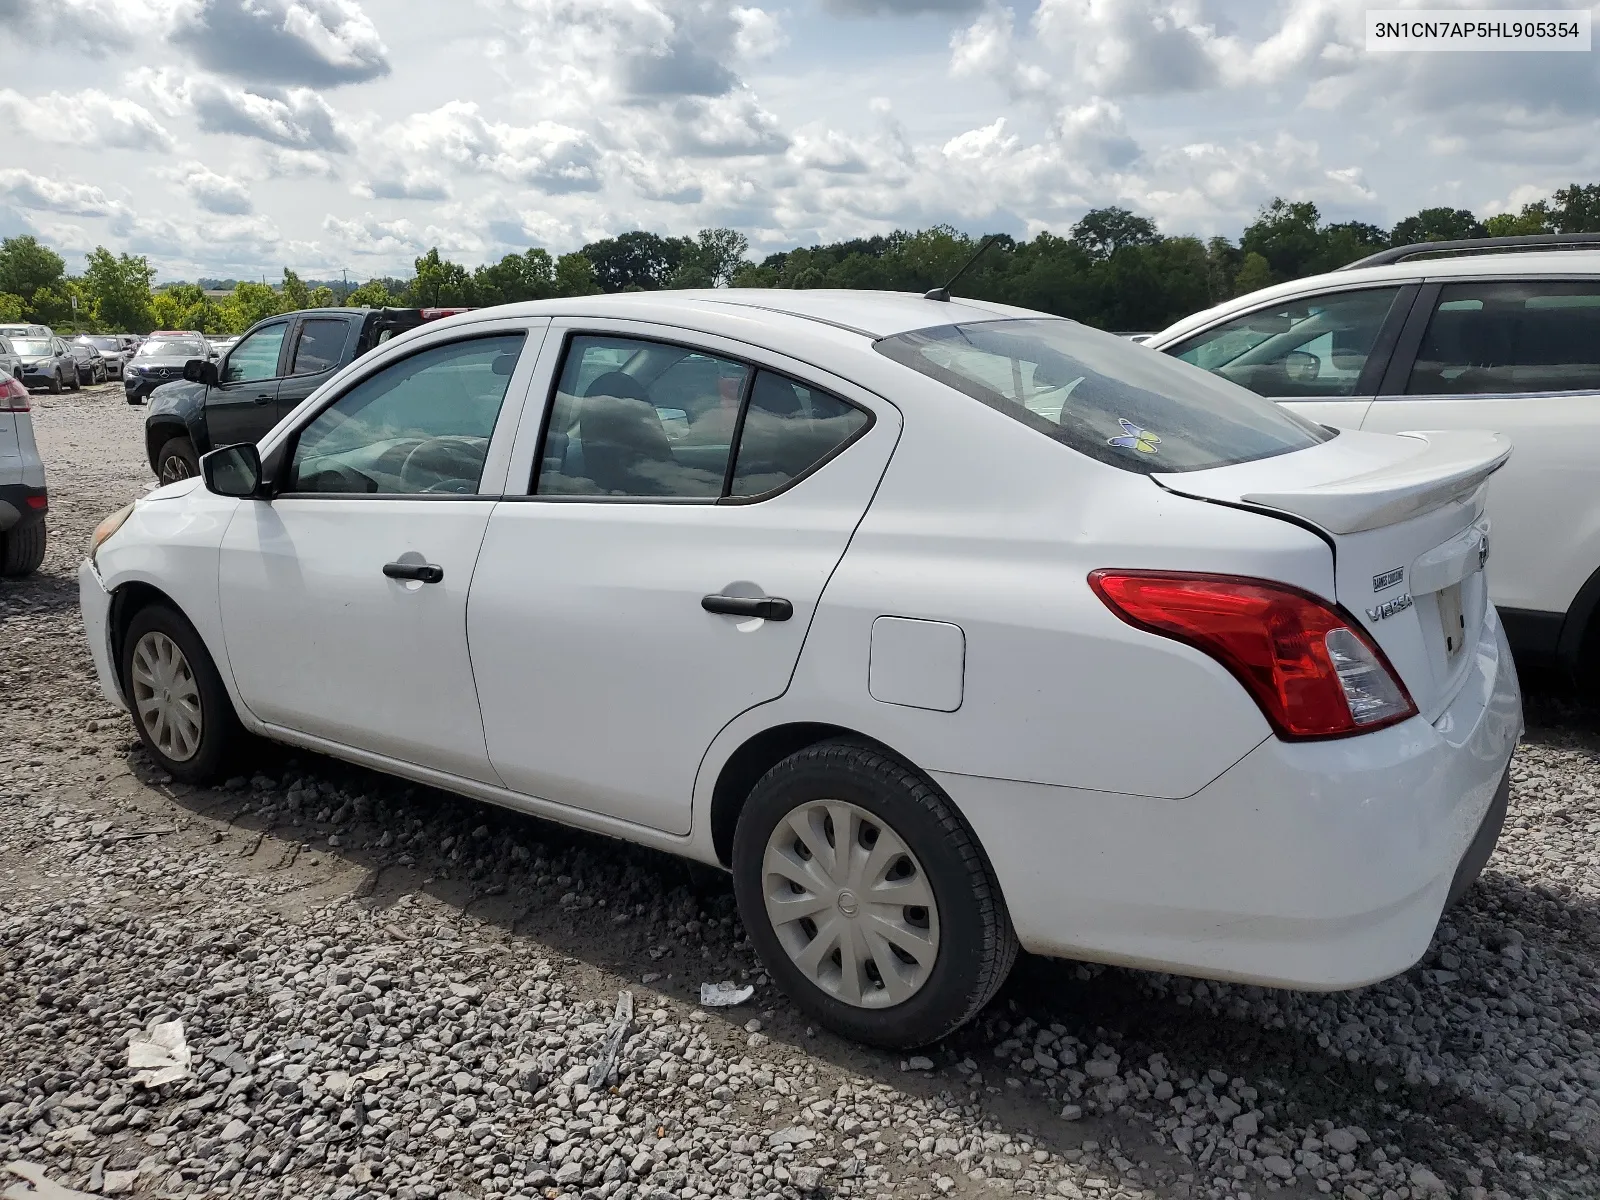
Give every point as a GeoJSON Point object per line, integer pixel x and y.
{"type": "Point", "coordinates": [1307, 349]}
{"type": "Point", "coordinates": [1103, 395]}
{"type": "Point", "coordinates": [320, 346]}
{"type": "Point", "coordinates": [1499, 337]}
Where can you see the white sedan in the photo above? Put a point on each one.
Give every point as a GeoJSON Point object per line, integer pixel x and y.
{"type": "Point", "coordinates": [946, 627]}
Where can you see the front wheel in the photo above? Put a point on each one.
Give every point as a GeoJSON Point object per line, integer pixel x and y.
{"type": "Point", "coordinates": [77, 381]}
{"type": "Point", "coordinates": [56, 384]}
{"type": "Point", "coordinates": [177, 460]}
{"type": "Point", "coordinates": [180, 708]}
{"type": "Point", "coordinates": [868, 898]}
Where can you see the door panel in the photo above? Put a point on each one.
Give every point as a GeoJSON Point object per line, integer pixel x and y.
{"type": "Point", "coordinates": [1339, 414]}
{"type": "Point", "coordinates": [242, 406]}
{"type": "Point", "coordinates": [1546, 496]}
{"type": "Point", "coordinates": [322, 642]}
{"type": "Point", "coordinates": [602, 678]}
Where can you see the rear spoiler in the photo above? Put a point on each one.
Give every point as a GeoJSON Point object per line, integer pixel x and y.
{"type": "Point", "coordinates": [1448, 465]}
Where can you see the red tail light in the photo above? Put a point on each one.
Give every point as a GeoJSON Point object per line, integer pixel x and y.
{"type": "Point", "coordinates": [39, 503]}
{"type": "Point", "coordinates": [1313, 673]}
{"type": "Point", "coordinates": [13, 396]}
{"type": "Point", "coordinates": [433, 314]}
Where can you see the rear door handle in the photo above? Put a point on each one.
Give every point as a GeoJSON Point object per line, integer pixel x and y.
{"type": "Point", "coordinates": [426, 572]}
{"type": "Point", "coordinates": [769, 608]}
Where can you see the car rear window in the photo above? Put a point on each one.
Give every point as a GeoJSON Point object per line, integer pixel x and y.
{"type": "Point", "coordinates": [1105, 397]}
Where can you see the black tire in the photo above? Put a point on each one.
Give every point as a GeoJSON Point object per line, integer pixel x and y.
{"type": "Point", "coordinates": [56, 384]}
{"type": "Point", "coordinates": [77, 380]}
{"type": "Point", "coordinates": [177, 460]}
{"type": "Point", "coordinates": [977, 945]}
{"type": "Point", "coordinates": [221, 736]}
{"type": "Point", "coordinates": [22, 550]}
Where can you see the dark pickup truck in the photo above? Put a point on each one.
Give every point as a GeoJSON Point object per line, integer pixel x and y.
{"type": "Point", "coordinates": [266, 373]}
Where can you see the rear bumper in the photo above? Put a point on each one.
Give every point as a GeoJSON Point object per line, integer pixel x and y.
{"type": "Point", "coordinates": [94, 603]}
{"type": "Point", "coordinates": [1319, 865]}
{"type": "Point", "coordinates": [22, 505]}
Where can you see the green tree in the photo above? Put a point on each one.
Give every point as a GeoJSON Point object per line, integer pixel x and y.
{"type": "Point", "coordinates": [1286, 237]}
{"type": "Point", "coordinates": [530, 275]}
{"type": "Point", "coordinates": [1576, 209]}
{"type": "Point", "coordinates": [371, 294]}
{"type": "Point", "coordinates": [1254, 273]}
{"type": "Point", "coordinates": [1344, 243]}
{"type": "Point", "coordinates": [710, 259]}
{"type": "Point", "coordinates": [1101, 232]}
{"type": "Point", "coordinates": [186, 306]}
{"type": "Point", "coordinates": [321, 297]}
{"type": "Point", "coordinates": [1534, 218]}
{"type": "Point", "coordinates": [634, 261]}
{"type": "Point", "coordinates": [118, 290]}
{"type": "Point", "coordinates": [10, 307]}
{"type": "Point", "coordinates": [575, 275]}
{"type": "Point", "coordinates": [295, 293]}
{"type": "Point", "coordinates": [1436, 225]}
{"type": "Point", "coordinates": [440, 283]}
{"type": "Point", "coordinates": [249, 303]}
{"type": "Point", "coordinates": [26, 267]}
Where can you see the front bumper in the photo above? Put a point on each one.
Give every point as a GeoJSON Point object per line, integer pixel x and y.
{"type": "Point", "coordinates": [38, 376]}
{"type": "Point", "coordinates": [137, 387]}
{"type": "Point", "coordinates": [1319, 865]}
{"type": "Point", "coordinates": [94, 603]}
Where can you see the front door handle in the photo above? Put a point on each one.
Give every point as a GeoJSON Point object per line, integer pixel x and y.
{"type": "Point", "coordinates": [263, 398]}
{"type": "Point", "coordinates": [426, 572]}
{"type": "Point", "coordinates": [768, 608]}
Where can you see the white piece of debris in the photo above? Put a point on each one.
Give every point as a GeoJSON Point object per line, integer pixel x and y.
{"type": "Point", "coordinates": [159, 1055]}
{"type": "Point", "coordinates": [605, 1061]}
{"type": "Point", "coordinates": [42, 1189]}
{"type": "Point", "coordinates": [725, 994]}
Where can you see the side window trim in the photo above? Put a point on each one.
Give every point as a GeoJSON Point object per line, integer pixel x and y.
{"type": "Point", "coordinates": [573, 332]}
{"type": "Point", "coordinates": [1376, 368]}
{"type": "Point", "coordinates": [280, 456]}
{"type": "Point", "coordinates": [1410, 341]}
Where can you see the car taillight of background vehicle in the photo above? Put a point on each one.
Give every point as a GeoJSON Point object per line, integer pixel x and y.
{"type": "Point", "coordinates": [1312, 672]}
{"type": "Point", "coordinates": [13, 396]}
{"type": "Point", "coordinates": [433, 314]}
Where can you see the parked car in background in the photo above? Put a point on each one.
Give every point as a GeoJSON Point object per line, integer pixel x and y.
{"type": "Point", "coordinates": [23, 498]}
{"type": "Point", "coordinates": [222, 344]}
{"type": "Point", "coordinates": [26, 331]}
{"type": "Point", "coordinates": [160, 359]}
{"type": "Point", "coordinates": [86, 359]}
{"type": "Point", "coordinates": [10, 360]}
{"type": "Point", "coordinates": [1449, 336]}
{"type": "Point", "coordinates": [933, 674]}
{"type": "Point", "coordinates": [113, 352]}
{"type": "Point", "coordinates": [273, 366]}
{"type": "Point", "coordinates": [46, 363]}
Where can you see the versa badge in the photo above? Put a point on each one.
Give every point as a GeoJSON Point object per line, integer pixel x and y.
{"type": "Point", "coordinates": [1389, 607]}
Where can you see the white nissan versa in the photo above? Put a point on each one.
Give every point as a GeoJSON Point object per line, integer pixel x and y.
{"type": "Point", "coordinates": [948, 627]}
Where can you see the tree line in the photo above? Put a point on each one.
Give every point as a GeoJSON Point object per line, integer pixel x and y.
{"type": "Point", "coordinates": [1113, 269]}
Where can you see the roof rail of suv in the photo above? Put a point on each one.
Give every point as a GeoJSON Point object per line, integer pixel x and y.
{"type": "Point", "coordinates": [1486, 245]}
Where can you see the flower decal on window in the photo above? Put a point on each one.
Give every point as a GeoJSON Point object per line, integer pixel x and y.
{"type": "Point", "coordinates": [1134, 438]}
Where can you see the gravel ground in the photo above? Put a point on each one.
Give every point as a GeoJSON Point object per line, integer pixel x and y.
{"type": "Point", "coordinates": [390, 991]}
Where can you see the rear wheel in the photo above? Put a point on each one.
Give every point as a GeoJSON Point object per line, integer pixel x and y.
{"type": "Point", "coordinates": [22, 550]}
{"type": "Point", "coordinates": [868, 898]}
{"type": "Point", "coordinates": [180, 708]}
{"type": "Point", "coordinates": [177, 460]}
{"type": "Point", "coordinates": [77, 381]}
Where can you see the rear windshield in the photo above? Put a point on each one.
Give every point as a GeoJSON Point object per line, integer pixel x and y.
{"type": "Point", "coordinates": [1104, 396]}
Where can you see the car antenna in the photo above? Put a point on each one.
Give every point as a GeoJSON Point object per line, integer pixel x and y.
{"type": "Point", "coordinates": [943, 293]}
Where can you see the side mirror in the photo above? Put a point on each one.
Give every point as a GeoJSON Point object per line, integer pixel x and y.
{"type": "Point", "coordinates": [1302, 367]}
{"type": "Point", "coordinates": [200, 370]}
{"type": "Point", "coordinates": [233, 471]}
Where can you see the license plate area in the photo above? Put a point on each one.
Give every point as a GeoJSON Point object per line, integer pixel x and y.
{"type": "Point", "coordinates": [1452, 622]}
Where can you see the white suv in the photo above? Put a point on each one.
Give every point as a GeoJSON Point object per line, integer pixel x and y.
{"type": "Point", "coordinates": [23, 499]}
{"type": "Point", "coordinates": [1409, 340]}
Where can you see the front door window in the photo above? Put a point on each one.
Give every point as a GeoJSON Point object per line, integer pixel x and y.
{"type": "Point", "coordinates": [255, 357]}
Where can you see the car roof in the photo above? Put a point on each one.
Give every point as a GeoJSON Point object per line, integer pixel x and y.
{"type": "Point", "coordinates": [867, 314]}
{"type": "Point", "coordinates": [1523, 264]}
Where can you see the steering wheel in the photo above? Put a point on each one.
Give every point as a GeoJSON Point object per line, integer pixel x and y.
{"type": "Point", "coordinates": [450, 457]}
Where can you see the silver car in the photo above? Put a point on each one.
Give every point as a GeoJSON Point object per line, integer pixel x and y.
{"type": "Point", "coordinates": [23, 499]}
{"type": "Point", "coordinates": [112, 351]}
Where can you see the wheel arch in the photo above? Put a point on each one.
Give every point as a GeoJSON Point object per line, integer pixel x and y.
{"type": "Point", "coordinates": [126, 603]}
{"type": "Point", "coordinates": [158, 431]}
{"type": "Point", "coordinates": [1580, 628]}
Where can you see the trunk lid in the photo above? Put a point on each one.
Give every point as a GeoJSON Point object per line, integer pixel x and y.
{"type": "Point", "coordinates": [1404, 514]}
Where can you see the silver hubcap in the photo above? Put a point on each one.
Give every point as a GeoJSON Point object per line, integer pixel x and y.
{"type": "Point", "coordinates": [174, 468]}
{"type": "Point", "coordinates": [166, 696]}
{"type": "Point", "coordinates": [850, 904]}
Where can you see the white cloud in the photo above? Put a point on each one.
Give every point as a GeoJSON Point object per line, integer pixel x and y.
{"type": "Point", "coordinates": [319, 43]}
{"type": "Point", "coordinates": [548, 155]}
{"type": "Point", "coordinates": [86, 118]}
{"type": "Point", "coordinates": [213, 192]}
{"type": "Point", "coordinates": [297, 118]}
{"type": "Point", "coordinates": [26, 190]}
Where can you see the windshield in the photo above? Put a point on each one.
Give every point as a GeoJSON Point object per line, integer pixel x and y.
{"type": "Point", "coordinates": [1102, 395]}
{"type": "Point", "coordinates": [31, 345]}
{"type": "Point", "coordinates": [171, 349]}
{"type": "Point", "coordinates": [102, 343]}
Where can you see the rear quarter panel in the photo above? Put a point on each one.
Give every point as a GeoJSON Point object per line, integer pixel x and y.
{"type": "Point", "coordinates": [991, 526]}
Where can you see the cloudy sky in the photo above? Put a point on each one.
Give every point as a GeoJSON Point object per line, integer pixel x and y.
{"type": "Point", "coordinates": [231, 137]}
